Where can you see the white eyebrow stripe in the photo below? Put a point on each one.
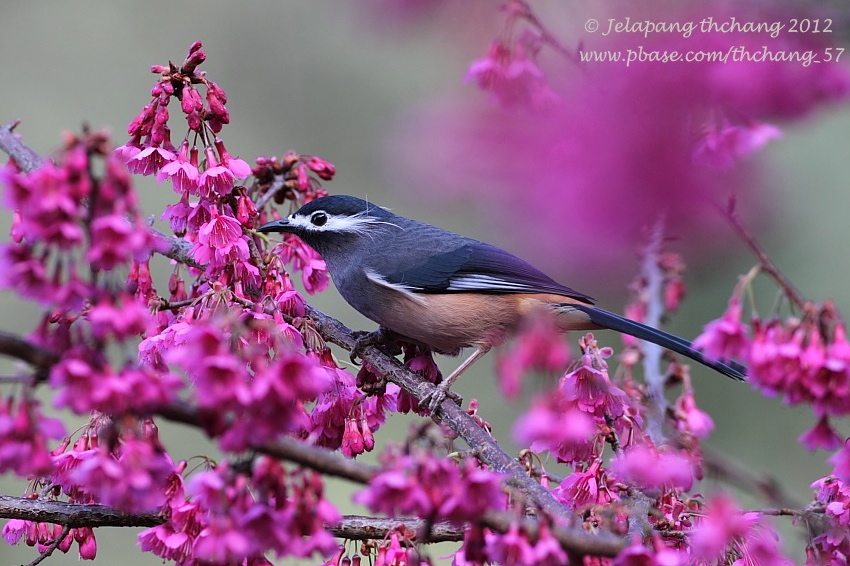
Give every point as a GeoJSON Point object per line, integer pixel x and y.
{"type": "Point", "coordinates": [409, 292]}
{"type": "Point", "coordinates": [473, 282]}
{"type": "Point", "coordinates": [356, 224]}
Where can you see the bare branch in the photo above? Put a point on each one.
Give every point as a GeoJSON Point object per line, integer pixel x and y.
{"type": "Point", "coordinates": [25, 157]}
{"type": "Point", "coordinates": [652, 353]}
{"type": "Point", "coordinates": [72, 515]}
{"type": "Point", "coordinates": [358, 527]}
{"type": "Point", "coordinates": [53, 546]}
{"type": "Point", "coordinates": [735, 473]}
{"type": "Point", "coordinates": [36, 356]}
{"type": "Point", "coordinates": [765, 262]}
{"type": "Point", "coordinates": [174, 248]}
{"type": "Point", "coordinates": [289, 449]}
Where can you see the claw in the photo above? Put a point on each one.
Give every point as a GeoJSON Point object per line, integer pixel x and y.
{"type": "Point", "coordinates": [380, 338]}
{"type": "Point", "coordinates": [435, 397]}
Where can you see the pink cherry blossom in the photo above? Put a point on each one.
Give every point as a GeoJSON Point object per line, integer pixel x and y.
{"type": "Point", "coordinates": [589, 487]}
{"type": "Point", "coordinates": [822, 436]}
{"type": "Point", "coordinates": [511, 75]}
{"type": "Point", "coordinates": [150, 160]}
{"type": "Point", "coordinates": [24, 432]}
{"type": "Point", "coordinates": [721, 524]}
{"type": "Point", "coordinates": [131, 481]}
{"type": "Point", "coordinates": [538, 347]}
{"type": "Point", "coordinates": [555, 424]}
{"type": "Point", "coordinates": [690, 418]}
{"type": "Point", "coordinates": [725, 338]}
{"type": "Point", "coordinates": [647, 467]}
{"type": "Point", "coordinates": [513, 547]}
{"type": "Point", "coordinates": [432, 487]}
{"type": "Point", "coordinates": [183, 171]}
{"type": "Point", "coordinates": [220, 241]}
{"type": "Point", "coordinates": [725, 144]}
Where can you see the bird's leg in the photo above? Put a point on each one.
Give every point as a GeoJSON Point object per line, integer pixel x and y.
{"type": "Point", "coordinates": [440, 392]}
{"type": "Point", "coordinates": [382, 337]}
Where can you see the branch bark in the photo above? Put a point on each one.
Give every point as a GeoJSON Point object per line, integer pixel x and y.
{"type": "Point", "coordinates": [12, 146]}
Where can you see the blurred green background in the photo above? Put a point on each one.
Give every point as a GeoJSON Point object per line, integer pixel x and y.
{"type": "Point", "coordinates": [334, 79]}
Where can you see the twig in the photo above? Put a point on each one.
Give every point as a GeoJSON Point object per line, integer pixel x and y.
{"type": "Point", "coordinates": [36, 356]}
{"type": "Point", "coordinates": [737, 474]}
{"type": "Point", "coordinates": [175, 248]}
{"type": "Point", "coordinates": [277, 184]}
{"type": "Point", "coordinates": [53, 546]}
{"type": "Point", "coordinates": [766, 263]}
{"type": "Point", "coordinates": [652, 353]}
{"type": "Point", "coordinates": [25, 157]}
{"type": "Point", "coordinates": [319, 459]}
{"type": "Point", "coordinates": [545, 34]}
{"type": "Point", "coordinates": [358, 527]}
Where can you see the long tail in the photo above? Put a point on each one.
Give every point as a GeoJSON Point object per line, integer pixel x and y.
{"type": "Point", "coordinates": [616, 322]}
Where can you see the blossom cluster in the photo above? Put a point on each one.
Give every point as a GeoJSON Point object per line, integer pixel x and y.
{"type": "Point", "coordinates": [588, 411]}
{"type": "Point", "coordinates": [435, 489]}
{"type": "Point", "coordinates": [224, 516]}
{"type": "Point", "coordinates": [227, 339]}
{"type": "Point", "coordinates": [804, 360]}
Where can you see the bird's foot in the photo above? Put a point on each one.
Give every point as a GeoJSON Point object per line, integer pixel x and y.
{"type": "Point", "coordinates": [379, 338]}
{"type": "Point", "coordinates": [434, 398]}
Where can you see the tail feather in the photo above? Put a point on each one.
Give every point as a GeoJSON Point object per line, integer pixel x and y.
{"type": "Point", "coordinates": [679, 345]}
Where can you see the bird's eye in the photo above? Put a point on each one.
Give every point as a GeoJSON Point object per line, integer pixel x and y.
{"type": "Point", "coordinates": [319, 219]}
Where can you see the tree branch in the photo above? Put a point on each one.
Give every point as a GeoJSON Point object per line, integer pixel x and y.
{"type": "Point", "coordinates": [767, 265]}
{"type": "Point", "coordinates": [52, 548]}
{"type": "Point", "coordinates": [289, 449]}
{"type": "Point", "coordinates": [26, 158]}
{"type": "Point", "coordinates": [738, 475]}
{"type": "Point", "coordinates": [72, 514]}
{"type": "Point", "coordinates": [652, 353]}
{"type": "Point", "coordinates": [36, 356]}
{"type": "Point", "coordinates": [174, 248]}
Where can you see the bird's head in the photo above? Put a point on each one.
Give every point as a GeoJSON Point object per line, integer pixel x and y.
{"type": "Point", "coordinates": [336, 222]}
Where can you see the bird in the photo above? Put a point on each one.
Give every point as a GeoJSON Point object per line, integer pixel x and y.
{"type": "Point", "coordinates": [444, 291]}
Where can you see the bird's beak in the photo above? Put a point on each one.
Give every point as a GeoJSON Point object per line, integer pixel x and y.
{"type": "Point", "coordinates": [281, 225]}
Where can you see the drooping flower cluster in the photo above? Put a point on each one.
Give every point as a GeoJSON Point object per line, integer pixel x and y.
{"type": "Point", "coordinates": [73, 264]}
{"type": "Point", "coordinates": [804, 360]}
{"type": "Point", "coordinates": [537, 348]}
{"type": "Point", "coordinates": [68, 226]}
{"type": "Point", "coordinates": [510, 72]}
{"type": "Point", "coordinates": [571, 421]}
{"type": "Point", "coordinates": [436, 489]}
{"type": "Point", "coordinates": [834, 542]}
{"type": "Point", "coordinates": [24, 432]}
{"type": "Point", "coordinates": [227, 517]}
{"type": "Point", "coordinates": [723, 530]}
{"type": "Point", "coordinates": [213, 213]}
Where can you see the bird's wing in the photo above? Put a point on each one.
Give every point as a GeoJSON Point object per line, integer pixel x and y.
{"type": "Point", "coordinates": [478, 268]}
